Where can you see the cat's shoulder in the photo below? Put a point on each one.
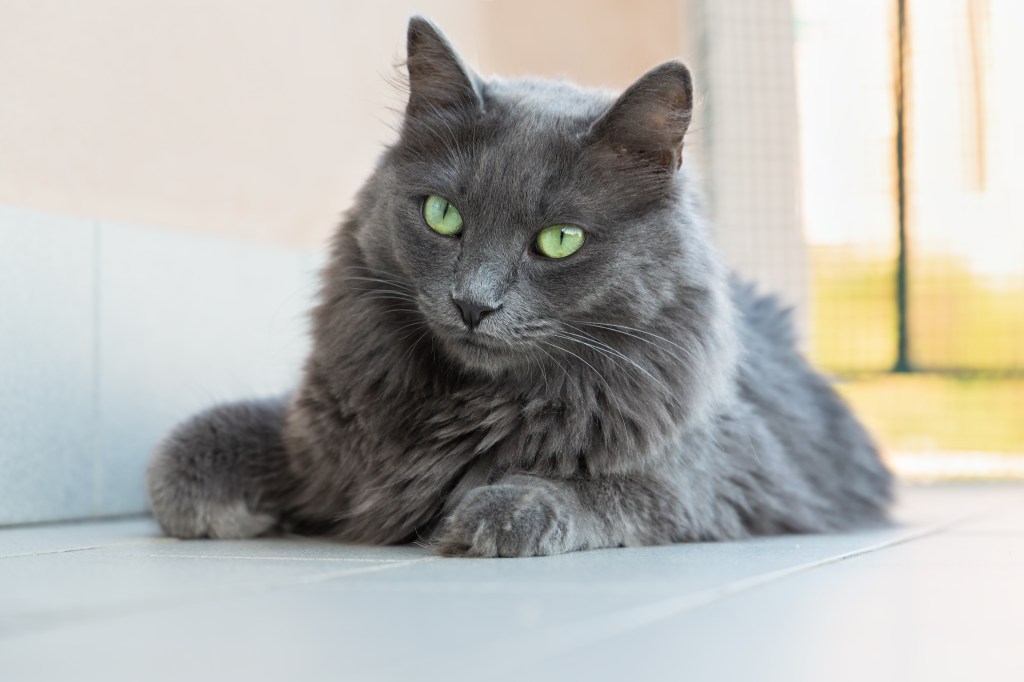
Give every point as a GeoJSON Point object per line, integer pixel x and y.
{"type": "Point", "coordinates": [763, 313]}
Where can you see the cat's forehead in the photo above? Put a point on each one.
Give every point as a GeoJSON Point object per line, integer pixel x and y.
{"type": "Point", "coordinates": [520, 155]}
{"type": "Point", "coordinates": [541, 108]}
{"type": "Point", "coordinates": [528, 165]}
{"type": "Point", "coordinates": [533, 129]}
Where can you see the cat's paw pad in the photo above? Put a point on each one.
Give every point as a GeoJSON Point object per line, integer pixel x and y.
{"type": "Point", "coordinates": [508, 520]}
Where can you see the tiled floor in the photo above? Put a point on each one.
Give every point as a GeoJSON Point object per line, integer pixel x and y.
{"type": "Point", "coordinates": [940, 596]}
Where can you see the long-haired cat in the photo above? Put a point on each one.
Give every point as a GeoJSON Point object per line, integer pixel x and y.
{"type": "Point", "coordinates": [525, 343]}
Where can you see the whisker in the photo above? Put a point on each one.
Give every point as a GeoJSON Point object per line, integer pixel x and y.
{"type": "Point", "coordinates": [580, 358]}
{"type": "Point", "coordinates": [412, 346]}
{"type": "Point", "coordinates": [619, 354]}
{"type": "Point", "coordinates": [600, 351]}
{"type": "Point", "coordinates": [409, 324]}
{"type": "Point", "coordinates": [382, 273]}
{"type": "Point", "coordinates": [383, 281]}
{"type": "Point", "coordinates": [625, 357]}
{"type": "Point", "coordinates": [620, 330]}
{"type": "Point", "coordinates": [398, 309]}
{"type": "Point", "coordinates": [610, 412]}
{"type": "Point", "coordinates": [380, 295]}
{"type": "Point", "coordinates": [560, 366]}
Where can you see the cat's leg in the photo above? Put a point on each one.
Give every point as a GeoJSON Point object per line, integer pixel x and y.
{"type": "Point", "coordinates": [526, 515]}
{"type": "Point", "coordinates": [220, 474]}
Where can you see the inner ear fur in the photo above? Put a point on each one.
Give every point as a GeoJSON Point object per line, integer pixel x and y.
{"type": "Point", "coordinates": [649, 119]}
{"type": "Point", "coordinates": [439, 80]}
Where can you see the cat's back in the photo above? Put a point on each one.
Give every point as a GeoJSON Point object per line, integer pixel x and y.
{"type": "Point", "coordinates": [809, 423]}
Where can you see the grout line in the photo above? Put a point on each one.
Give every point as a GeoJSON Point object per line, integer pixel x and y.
{"type": "Point", "coordinates": [51, 620]}
{"type": "Point", "coordinates": [86, 548]}
{"type": "Point", "coordinates": [331, 575]}
{"type": "Point", "coordinates": [147, 542]}
{"type": "Point", "coordinates": [242, 557]}
{"type": "Point", "coordinates": [78, 521]}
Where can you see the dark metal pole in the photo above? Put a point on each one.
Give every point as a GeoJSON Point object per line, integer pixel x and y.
{"type": "Point", "coordinates": [902, 310]}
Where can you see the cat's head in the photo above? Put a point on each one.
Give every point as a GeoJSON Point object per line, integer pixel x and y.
{"type": "Point", "coordinates": [517, 212]}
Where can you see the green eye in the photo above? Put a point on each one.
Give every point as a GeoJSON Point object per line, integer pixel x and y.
{"type": "Point", "coordinates": [441, 216]}
{"type": "Point", "coordinates": [559, 241]}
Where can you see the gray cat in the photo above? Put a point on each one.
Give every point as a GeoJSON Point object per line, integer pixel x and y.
{"type": "Point", "coordinates": [526, 344]}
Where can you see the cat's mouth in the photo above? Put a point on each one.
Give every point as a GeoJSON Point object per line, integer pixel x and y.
{"type": "Point", "coordinates": [481, 351]}
{"type": "Point", "coordinates": [476, 349]}
{"type": "Point", "coordinates": [482, 341]}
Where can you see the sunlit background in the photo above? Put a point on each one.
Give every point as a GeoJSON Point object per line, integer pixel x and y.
{"type": "Point", "coordinates": [951, 403]}
{"type": "Point", "coordinates": [170, 173]}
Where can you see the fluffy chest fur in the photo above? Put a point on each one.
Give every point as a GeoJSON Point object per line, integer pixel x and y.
{"type": "Point", "coordinates": [387, 431]}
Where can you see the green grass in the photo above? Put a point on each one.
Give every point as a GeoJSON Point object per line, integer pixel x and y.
{"type": "Point", "coordinates": [928, 412]}
{"type": "Point", "coordinates": [957, 320]}
{"type": "Point", "coordinates": [854, 310]}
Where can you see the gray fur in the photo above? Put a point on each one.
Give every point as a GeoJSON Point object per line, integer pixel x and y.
{"type": "Point", "coordinates": [631, 394]}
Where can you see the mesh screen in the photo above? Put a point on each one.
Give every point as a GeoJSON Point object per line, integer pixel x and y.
{"type": "Point", "coordinates": [954, 406]}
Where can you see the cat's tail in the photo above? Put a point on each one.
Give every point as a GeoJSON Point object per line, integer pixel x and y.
{"type": "Point", "coordinates": [223, 473]}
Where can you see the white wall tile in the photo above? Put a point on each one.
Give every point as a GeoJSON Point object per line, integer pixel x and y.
{"type": "Point", "coordinates": [187, 321]}
{"type": "Point", "coordinates": [47, 368]}
{"type": "Point", "coordinates": [111, 334]}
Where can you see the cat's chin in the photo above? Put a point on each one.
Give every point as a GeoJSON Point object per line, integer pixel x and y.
{"type": "Point", "coordinates": [481, 354]}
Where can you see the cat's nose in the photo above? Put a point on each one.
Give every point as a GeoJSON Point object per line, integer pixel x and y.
{"type": "Point", "coordinates": [473, 311]}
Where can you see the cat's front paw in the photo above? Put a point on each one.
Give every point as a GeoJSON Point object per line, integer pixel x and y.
{"type": "Point", "coordinates": [509, 520]}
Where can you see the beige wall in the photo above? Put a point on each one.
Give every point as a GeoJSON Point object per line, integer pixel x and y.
{"type": "Point", "coordinates": [256, 118]}
{"type": "Point", "coordinates": [261, 118]}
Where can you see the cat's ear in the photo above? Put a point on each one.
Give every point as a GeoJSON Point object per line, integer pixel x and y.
{"type": "Point", "coordinates": [438, 79]}
{"type": "Point", "coordinates": [650, 118]}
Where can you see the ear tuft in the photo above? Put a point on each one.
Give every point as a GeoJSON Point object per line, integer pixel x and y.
{"type": "Point", "coordinates": [438, 79]}
{"type": "Point", "coordinates": [650, 118]}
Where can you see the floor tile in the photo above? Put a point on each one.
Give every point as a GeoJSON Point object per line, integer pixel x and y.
{"type": "Point", "coordinates": [920, 600]}
{"type": "Point", "coordinates": [898, 614]}
{"type": "Point", "coordinates": [64, 537]}
{"type": "Point", "coordinates": [283, 549]}
{"type": "Point", "coordinates": [309, 632]}
{"type": "Point", "coordinates": [55, 590]}
{"type": "Point", "coordinates": [960, 502]}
